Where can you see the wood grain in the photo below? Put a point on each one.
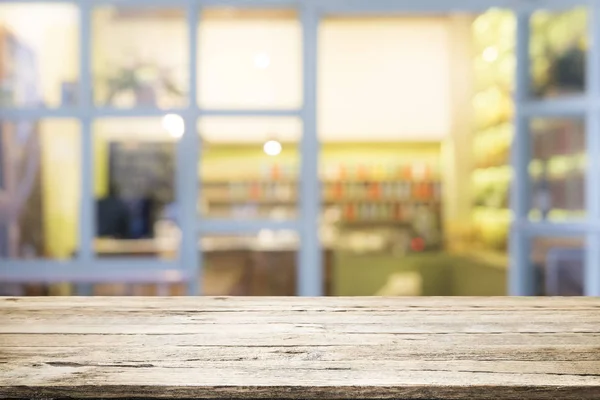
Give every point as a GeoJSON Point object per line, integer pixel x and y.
{"type": "Point", "coordinates": [288, 348]}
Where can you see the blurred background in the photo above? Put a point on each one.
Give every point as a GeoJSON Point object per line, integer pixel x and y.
{"type": "Point", "coordinates": [160, 150]}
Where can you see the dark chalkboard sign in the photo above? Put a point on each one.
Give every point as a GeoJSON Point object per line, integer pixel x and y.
{"type": "Point", "coordinates": [143, 175]}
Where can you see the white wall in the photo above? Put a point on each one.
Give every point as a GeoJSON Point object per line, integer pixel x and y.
{"type": "Point", "coordinates": [250, 63]}
{"type": "Point", "coordinates": [384, 79]}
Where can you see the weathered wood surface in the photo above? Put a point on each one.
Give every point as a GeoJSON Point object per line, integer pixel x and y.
{"type": "Point", "coordinates": [325, 348]}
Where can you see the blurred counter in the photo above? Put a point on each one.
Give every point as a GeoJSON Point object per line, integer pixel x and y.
{"type": "Point", "coordinates": [263, 265]}
{"type": "Point", "coordinates": [167, 247]}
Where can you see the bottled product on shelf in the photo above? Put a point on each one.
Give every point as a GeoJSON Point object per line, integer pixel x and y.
{"type": "Point", "coordinates": [362, 195]}
{"type": "Point", "coordinates": [494, 39]}
{"type": "Point", "coordinates": [557, 168]}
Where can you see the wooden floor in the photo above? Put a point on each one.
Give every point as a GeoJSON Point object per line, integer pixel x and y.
{"type": "Point", "coordinates": [284, 348]}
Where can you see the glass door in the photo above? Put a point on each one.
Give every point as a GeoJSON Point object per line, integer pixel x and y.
{"type": "Point", "coordinates": [383, 118]}
{"type": "Point", "coordinates": [168, 135]}
{"type": "Point", "coordinates": [210, 112]}
{"type": "Point", "coordinates": [555, 196]}
{"type": "Point", "coordinates": [256, 209]}
{"type": "Point", "coordinates": [531, 94]}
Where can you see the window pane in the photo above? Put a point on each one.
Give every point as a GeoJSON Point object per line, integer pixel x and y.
{"type": "Point", "coordinates": [249, 167]}
{"type": "Point", "coordinates": [140, 57]}
{"type": "Point", "coordinates": [383, 111]}
{"type": "Point", "coordinates": [381, 213]}
{"type": "Point", "coordinates": [376, 84]}
{"type": "Point", "coordinates": [558, 52]}
{"type": "Point", "coordinates": [250, 59]}
{"type": "Point", "coordinates": [558, 263]}
{"type": "Point", "coordinates": [264, 264]}
{"type": "Point", "coordinates": [558, 169]}
{"type": "Point", "coordinates": [378, 192]}
{"type": "Point", "coordinates": [134, 172]}
{"type": "Point", "coordinates": [39, 55]}
{"type": "Point", "coordinates": [39, 202]}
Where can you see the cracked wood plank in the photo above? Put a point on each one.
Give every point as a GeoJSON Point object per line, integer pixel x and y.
{"type": "Point", "coordinates": [292, 348]}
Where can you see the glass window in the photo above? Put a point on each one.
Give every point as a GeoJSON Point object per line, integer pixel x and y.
{"type": "Point", "coordinates": [249, 167]}
{"type": "Point", "coordinates": [558, 52]}
{"type": "Point", "coordinates": [39, 206]}
{"type": "Point", "coordinates": [250, 59]}
{"type": "Point", "coordinates": [557, 169]}
{"type": "Point", "coordinates": [39, 55]}
{"type": "Point", "coordinates": [383, 110]}
{"type": "Point", "coordinates": [250, 265]}
{"type": "Point", "coordinates": [134, 180]}
{"type": "Point", "coordinates": [558, 263]}
{"type": "Point", "coordinates": [370, 187]}
{"type": "Point", "coordinates": [140, 57]}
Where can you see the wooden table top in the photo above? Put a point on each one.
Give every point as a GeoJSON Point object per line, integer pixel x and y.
{"type": "Point", "coordinates": [308, 348]}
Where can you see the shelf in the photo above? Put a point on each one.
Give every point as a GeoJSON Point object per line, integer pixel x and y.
{"type": "Point", "coordinates": [386, 180]}
{"type": "Point", "coordinates": [382, 201]}
{"type": "Point", "coordinates": [500, 168]}
{"type": "Point", "coordinates": [262, 181]}
{"type": "Point", "coordinates": [326, 201]}
{"type": "Point", "coordinates": [555, 214]}
{"type": "Point", "coordinates": [327, 182]}
{"type": "Point", "coordinates": [369, 222]}
{"type": "Point", "coordinates": [482, 131]}
{"type": "Point", "coordinates": [251, 201]}
{"type": "Point", "coordinates": [499, 165]}
{"type": "Point", "coordinates": [491, 209]}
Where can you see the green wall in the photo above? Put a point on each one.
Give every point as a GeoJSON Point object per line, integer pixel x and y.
{"type": "Point", "coordinates": [442, 274]}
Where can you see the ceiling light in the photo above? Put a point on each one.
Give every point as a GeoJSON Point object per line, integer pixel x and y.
{"type": "Point", "coordinates": [174, 124]}
{"type": "Point", "coordinates": [272, 148]}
